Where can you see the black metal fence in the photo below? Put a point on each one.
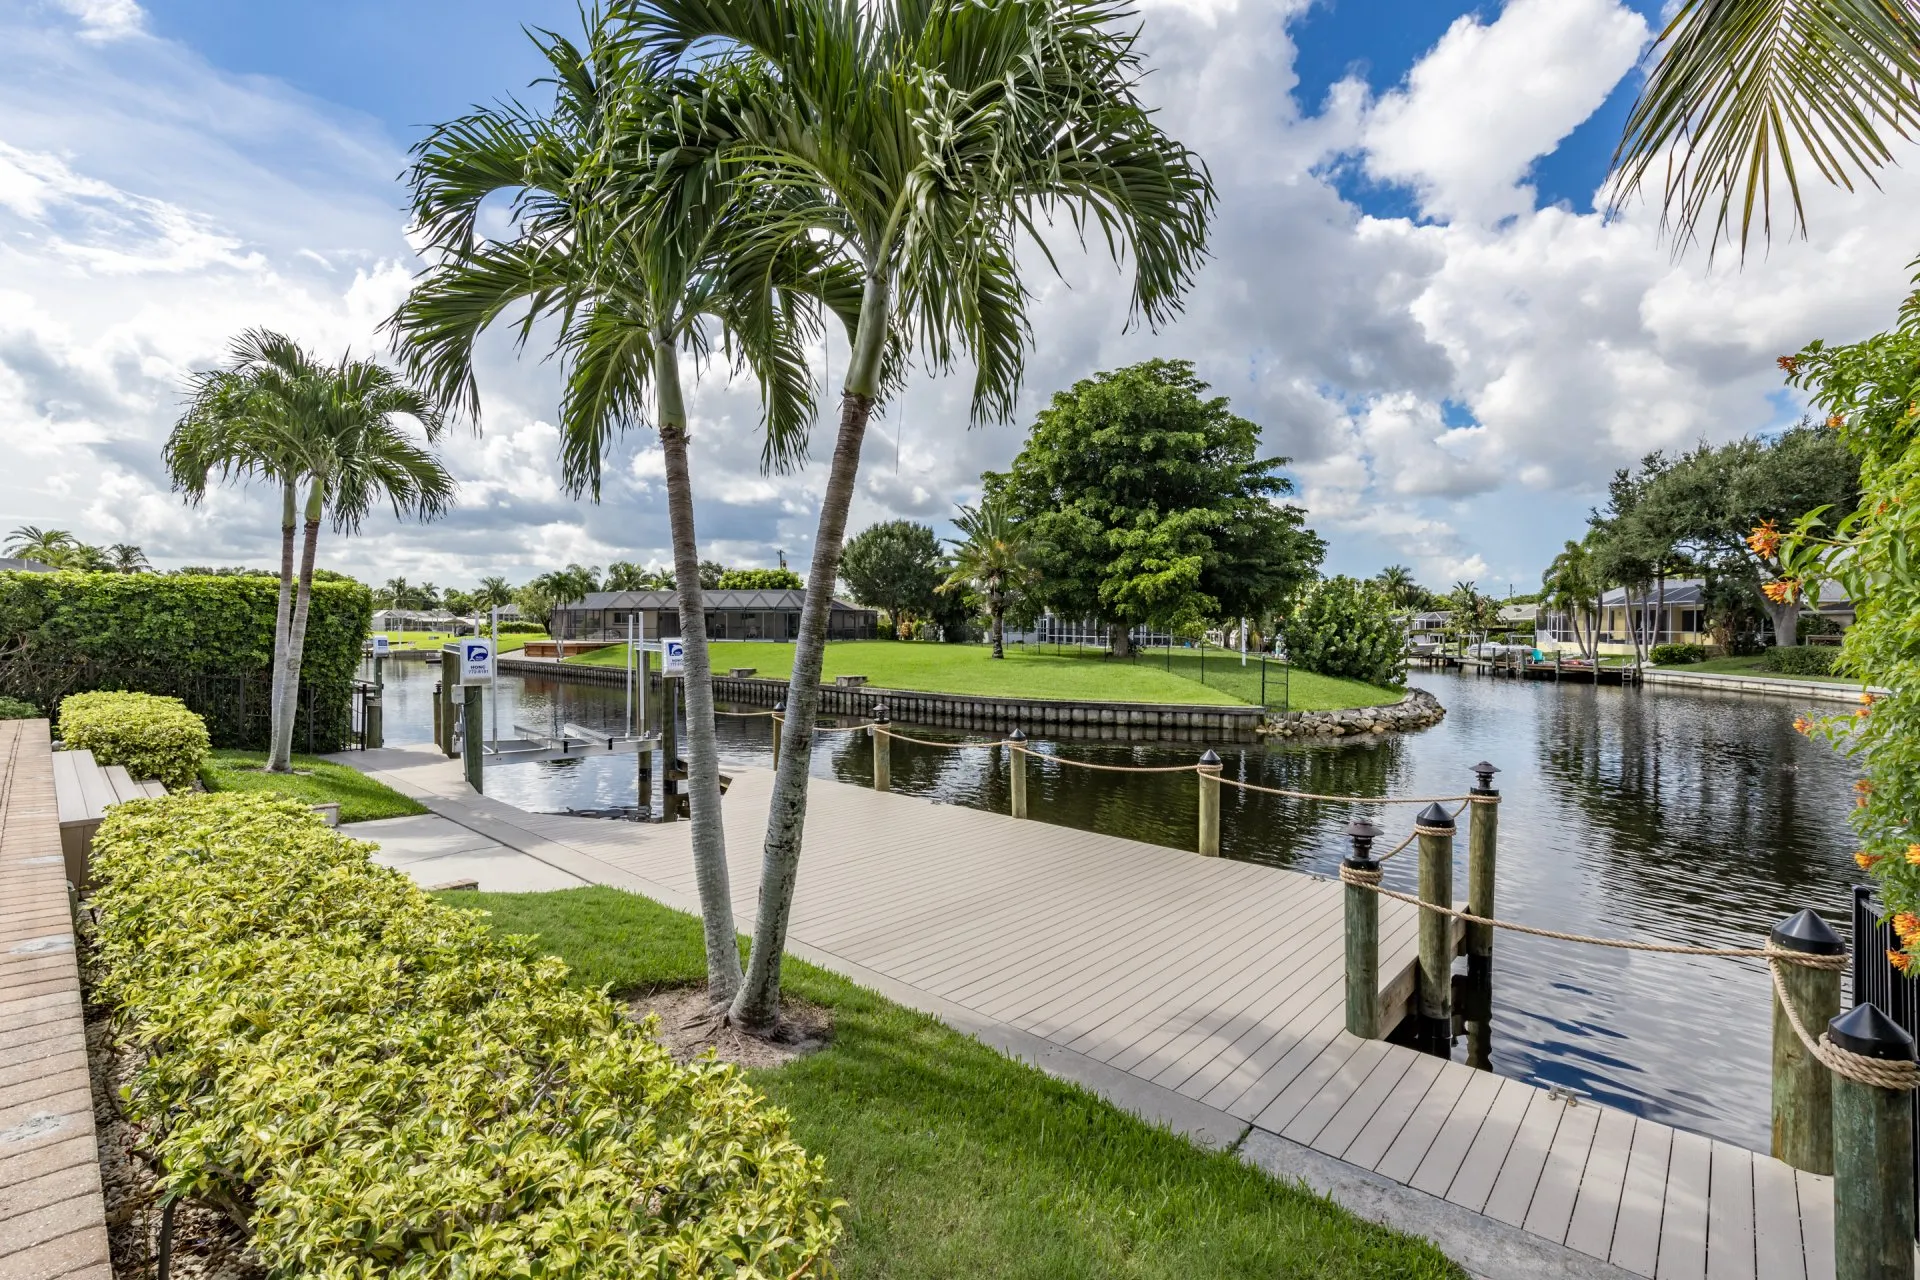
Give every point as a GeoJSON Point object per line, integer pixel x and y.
{"type": "Point", "coordinates": [330, 714]}
{"type": "Point", "coordinates": [1878, 983]}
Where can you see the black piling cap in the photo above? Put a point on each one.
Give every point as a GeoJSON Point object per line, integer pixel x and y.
{"type": "Point", "coordinates": [1484, 772]}
{"type": "Point", "coordinates": [879, 713]}
{"type": "Point", "coordinates": [1808, 934]}
{"type": "Point", "coordinates": [1434, 816]}
{"type": "Point", "coordinates": [1363, 834]}
{"type": "Point", "coordinates": [781, 706]}
{"type": "Point", "coordinates": [1209, 760]}
{"type": "Point", "coordinates": [1018, 735]}
{"type": "Point", "coordinates": [1870, 1033]}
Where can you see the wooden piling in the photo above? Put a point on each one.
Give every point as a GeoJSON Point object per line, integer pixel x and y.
{"type": "Point", "coordinates": [1872, 1156]}
{"type": "Point", "coordinates": [473, 746]}
{"type": "Point", "coordinates": [1483, 829]}
{"type": "Point", "coordinates": [882, 756]}
{"type": "Point", "coordinates": [1363, 935]}
{"type": "Point", "coordinates": [1435, 827]}
{"type": "Point", "coordinates": [1802, 1085]}
{"type": "Point", "coordinates": [669, 748]}
{"type": "Point", "coordinates": [1209, 774]}
{"type": "Point", "coordinates": [779, 719]}
{"type": "Point", "coordinates": [1017, 772]}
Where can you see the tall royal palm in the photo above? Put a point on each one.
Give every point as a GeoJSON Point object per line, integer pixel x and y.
{"type": "Point", "coordinates": [926, 140]}
{"type": "Point", "coordinates": [642, 252]}
{"type": "Point", "coordinates": [1745, 93]}
{"type": "Point", "coordinates": [330, 429]}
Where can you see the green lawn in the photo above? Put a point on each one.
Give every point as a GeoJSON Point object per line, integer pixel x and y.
{"type": "Point", "coordinates": [956, 1161]}
{"type": "Point", "coordinates": [435, 639]}
{"type": "Point", "coordinates": [313, 780]}
{"type": "Point", "coordinates": [1085, 675]}
{"type": "Point", "coordinates": [1749, 666]}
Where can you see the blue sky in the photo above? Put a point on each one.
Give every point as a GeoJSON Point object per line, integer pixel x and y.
{"type": "Point", "coordinates": [1410, 288]}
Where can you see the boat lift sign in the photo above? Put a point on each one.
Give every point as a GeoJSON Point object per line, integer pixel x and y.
{"type": "Point", "coordinates": [476, 662]}
{"type": "Point", "coordinates": [673, 657]}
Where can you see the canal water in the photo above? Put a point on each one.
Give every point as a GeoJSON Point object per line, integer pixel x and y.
{"type": "Point", "coordinates": [1641, 813]}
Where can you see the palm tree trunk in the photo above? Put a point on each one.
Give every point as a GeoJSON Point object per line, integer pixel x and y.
{"type": "Point", "coordinates": [757, 1007]}
{"type": "Point", "coordinates": [281, 760]}
{"type": "Point", "coordinates": [283, 612]}
{"type": "Point", "coordinates": [703, 750]}
{"type": "Point", "coordinates": [998, 611]}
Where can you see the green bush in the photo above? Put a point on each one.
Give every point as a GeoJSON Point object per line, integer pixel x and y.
{"type": "Point", "coordinates": [1801, 660]}
{"type": "Point", "coordinates": [14, 709]}
{"type": "Point", "coordinates": [1342, 627]}
{"type": "Point", "coordinates": [522, 629]}
{"type": "Point", "coordinates": [1673, 655]}
{"type": "Point", "coordinates": [205, 639]}
{"type": "Point", "coordinates": [151, 737]}
{"type": "Point", "coordinates": [382, 1087]}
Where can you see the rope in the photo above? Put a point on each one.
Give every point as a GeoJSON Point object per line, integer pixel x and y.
{"type": "Point", "coordinates": [928, 742]}
{"type": "Point", "coordinates": [746, 714]}
{"type": "Point", "coordinates": [1117, 768]}
{"type": "Point", "coordinates": [1314, 795]}
{"type": "Point", "coordinates": [1883, 1073]}
{"type": "Point", "coordinates": [780, 719]}
{"type": "Point", "coordinates": [1397, 848]}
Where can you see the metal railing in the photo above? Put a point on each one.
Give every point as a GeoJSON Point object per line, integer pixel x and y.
{"type": "Point", "coordinates": [1878, 983]}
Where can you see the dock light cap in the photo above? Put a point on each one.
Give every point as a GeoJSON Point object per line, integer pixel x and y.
{"type": "Point", "coordinates": [1209, 760]}
{"type": "Point", "coordinates": [1809, 934]}
{"type": "Point", "coordinates": [880, 713]}
{"type": "Point", "coordinates": [1434, 816]}
{"type": "Point", "coordinates": [1484, 772]}
{"type": "Point", "coordinates": [1870, 1033]}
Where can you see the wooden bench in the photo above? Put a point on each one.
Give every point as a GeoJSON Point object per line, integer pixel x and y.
{"type": "Point", "coordinates": [742, 673]}
{"type": "Point", "coordinates": [849, 682]}
{"type": "Point", "coordinates": [83, 791]}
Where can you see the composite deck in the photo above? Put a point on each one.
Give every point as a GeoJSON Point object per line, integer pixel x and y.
{"type": "Point", "coordinates": [1220, 981]}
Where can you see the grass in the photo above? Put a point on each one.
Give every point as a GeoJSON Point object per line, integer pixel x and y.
{"type": "Point", "coordinates": [313, 780]}
{"type": "Point", "coordinates": [956, 1161]}
{"type": "Point", "coordinates": [1751, 665]}
{"type": "Point", "coordinates": [1075, 675]}
{"type": "Point", "coordinates": [434, 639]}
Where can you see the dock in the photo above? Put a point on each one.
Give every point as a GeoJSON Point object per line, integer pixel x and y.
{"type": "Point", "coordinates": [1204, 994]}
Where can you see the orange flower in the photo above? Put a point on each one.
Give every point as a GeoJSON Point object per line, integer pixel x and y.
{"type": "Point", "coordinates": [1789, 363]}
{"type": "Point", "coordinates": [1863, 786]}
{"type": "Point", "coordinates": [1803, 724]}
{"type": "Point", "coordinates": [1836, 422]}
{"type": "Point", "coordinates": [1899, 960]}
{"type": "Point", "coordinates": [1781, 590]}
{"type": "Point", "coordinates": [1866, 860]}
{"type": "Point", "coordinates": [1869, 699]}
{"type": "Point", "coordinates": [1765, 539]}
{"type": "Point", "coordinates": [1913, 855]}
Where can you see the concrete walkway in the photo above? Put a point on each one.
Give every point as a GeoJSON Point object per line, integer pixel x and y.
{"type": "Point", "coordinates": [1198, 993]}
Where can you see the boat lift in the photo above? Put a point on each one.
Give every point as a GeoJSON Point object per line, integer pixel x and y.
{"type": "Point", "coordinates": [569, 742]}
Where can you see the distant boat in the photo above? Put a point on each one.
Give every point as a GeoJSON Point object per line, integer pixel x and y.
{"type": "Point", "coordinates": [433, 656]}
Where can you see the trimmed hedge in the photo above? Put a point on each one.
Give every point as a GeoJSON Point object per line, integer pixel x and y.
{"type": "Point", "coordinates": [14, 709]}
{"type": "Point", "coordinates": [1801, 660]}
{"type": "Point", "coordinates": [379, 1086]}
{"type": "Point", "coordinates": [1673, 655]}
{"type": "Point", "coordinates": [206, 639]}
{"type": "Point", "coordinates": [151, 737]}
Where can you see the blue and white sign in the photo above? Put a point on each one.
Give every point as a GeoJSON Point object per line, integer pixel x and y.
{"type": "Point", "coordinates": [673, 657]}
{"type": "Point", "coordinates": [382, 646]}
{"type": "Point", "coordinates": [476, 662]}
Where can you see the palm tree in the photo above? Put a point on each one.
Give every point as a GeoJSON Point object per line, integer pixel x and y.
{"type": "Point", "coordinates": [330, 428]}
{"type": "Point", "coordinates": [1570, 586]}
{"type": "Point", "coordinates": [128, 558]}
{"type": "Point", "coordinates": [1398, 582]}
{"type": "Point", "coordinates": [925, 140]}
{"type": "Point", "coordinates": [1746, 90]}
{"type": "Point", "coordinates": [47, 546]}
{"type": "Point", "coordinates": [643, 252]}
{"type": "Point", "coordinates": [493, 591]}
{"type": "Point", "coordinates": [991, 560]}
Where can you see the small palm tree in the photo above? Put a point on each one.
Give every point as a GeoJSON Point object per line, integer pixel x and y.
{"type": "Point", "coordinates": [493, 592]}
{"type": "Point", "coordinates": [276, 411]}
{"type": "Point", "coordinates": [47, 546]}
{"type": "Point", "coordinates": [1398, 582]}
{"type": "Point", "coordinates": [1570, 586]}
{"type": "Point", "coordinates": [992, 560]}
{"type": "Point", "coordinates": [925, 140]}
{"type": "Point", "coordinates": [128, 558]}
{"type": "Point", "coordinates": [1745, 92]}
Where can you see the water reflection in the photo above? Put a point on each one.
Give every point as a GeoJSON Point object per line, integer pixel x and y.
{"type": "Point", "coordinates": [1631, 813]}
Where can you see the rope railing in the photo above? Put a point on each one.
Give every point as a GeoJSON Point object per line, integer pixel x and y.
{"type": "Point", "coordinates": [1315, 795]}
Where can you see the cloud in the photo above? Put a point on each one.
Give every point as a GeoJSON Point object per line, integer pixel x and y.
{"type": "Point", "coordinates": [102, 20]}
{"type": "Point", "coordinates": [1454, 389]}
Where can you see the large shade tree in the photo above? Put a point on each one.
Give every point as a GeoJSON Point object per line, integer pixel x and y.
{"type": "Point", "coordinates": [895, 566]}
{"type": "Point", "coordinates": [642, 251]}
{"type": "Point", "coordinates": [333, 430]}
{"type": "Point", "coordinates": [1145, 501]}
{"type": "Point", "coordinates": [925, 140]}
